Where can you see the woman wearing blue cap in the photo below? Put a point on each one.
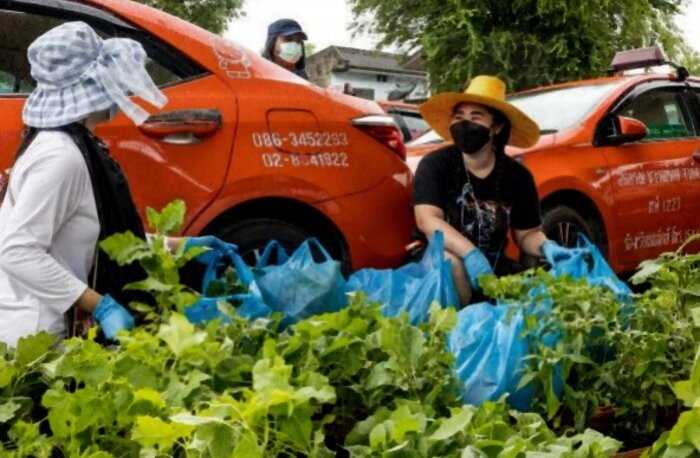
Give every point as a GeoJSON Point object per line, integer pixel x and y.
{"type": "Point", "coordinates": [285, 46]}
{"type": "Point", "coordinates": [66, 193]}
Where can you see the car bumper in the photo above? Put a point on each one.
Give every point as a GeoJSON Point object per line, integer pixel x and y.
{"type": "Point", "coordinates": [377, 224]}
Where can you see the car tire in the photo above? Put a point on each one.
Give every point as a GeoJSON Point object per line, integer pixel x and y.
{"type": "Point", "coordinates": [253, 235]}
{"type": "Point", "coordinates": [562, 225]}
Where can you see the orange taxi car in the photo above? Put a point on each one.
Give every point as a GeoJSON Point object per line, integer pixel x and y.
{"type": "Point", "coordinates": [618, 159]}
{"type": "Point", "coordinates": [256, 152]}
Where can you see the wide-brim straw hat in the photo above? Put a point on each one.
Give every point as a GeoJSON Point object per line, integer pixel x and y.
{"type": "Point", "coordinates": [484, 90]}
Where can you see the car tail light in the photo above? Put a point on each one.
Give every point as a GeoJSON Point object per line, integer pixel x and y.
{"type": "Point", "coordinates": [384, 130]}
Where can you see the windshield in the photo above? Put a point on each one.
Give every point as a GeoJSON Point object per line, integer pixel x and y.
{"type": "Point", "coordinates": [558, 109]}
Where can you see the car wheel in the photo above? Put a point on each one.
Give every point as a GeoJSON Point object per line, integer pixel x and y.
{"type": "Point", "coordinates": [563, 224]}
{"type": "Point", "coordinates": [252, 236]}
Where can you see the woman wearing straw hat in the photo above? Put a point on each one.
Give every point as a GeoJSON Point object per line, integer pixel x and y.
{"type": "Point", "coordinates": [472, 191]}
{"type": "Point", "coordinates": [65, 192]}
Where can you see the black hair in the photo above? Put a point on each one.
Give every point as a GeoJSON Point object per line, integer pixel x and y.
{"type": "Point", "coordinates": [28, 136]}
{"type": "Point", "coordinates": [269, 52]}
{"type": "Point", "coordinates": [500, 140]}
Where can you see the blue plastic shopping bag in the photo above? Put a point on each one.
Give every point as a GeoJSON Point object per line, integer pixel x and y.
{"type": "Point", "coordinates": [411, 288]}
{"type": "Point", "coordinates": [299, 286]}
{"type": "Point", "coordinates": [589, 263]}
{"type": "Point", "coordinates": [490, 344]}
{"type": "Point", "coordinates": [488, 350]}
{"type": "Point", "coordinates": [250, 304]}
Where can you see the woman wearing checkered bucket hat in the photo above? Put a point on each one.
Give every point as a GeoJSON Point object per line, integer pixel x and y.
{"type": "Point", "coordinates": [65, 193]}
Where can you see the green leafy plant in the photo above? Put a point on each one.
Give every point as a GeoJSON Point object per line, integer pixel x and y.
{"type": "Point", "coordinates": [485, 431]}
{"type": "Point", "coordinates": [675, 272]}
{"type": "Point", "coordinates": [683, 440]}
{"type": "Point", "coordinates": [680, 274]}
{"type": "Point", "coordinates": [227, 284]}
{"type": "Point", "coordinates": [248, 390]}
{"type": "Point", "coordinates": [615, 357]}
{"type": "Point", "coordinates": [371, 361]}
{"type": "Point", "coordinates": [213, 15]}
{"type": "Point", "coordinates": [528, 43]}
{"type": "Point", "coordinates": [161, 264]}
{"type": "Point", "coordinates": [349, 383]}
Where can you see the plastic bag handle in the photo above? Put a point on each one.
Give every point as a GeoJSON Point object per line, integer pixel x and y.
{"type": "Point", "coordinates": [434, 254]}
{"type": "Point", "coordinates": [437, 244]}
{"type": "Point", "coordinates": [587, 246]}
{"type": "Point", "coordinates": [579, 252]}
{"type": "Point", "coordinates": [245, 275]}
{"type": "Point", "coordinates": [264, 259]}
{"type": "Point", "coordinates": [582, 241]}
{"type": "Point", "coordinates": [313, 241]}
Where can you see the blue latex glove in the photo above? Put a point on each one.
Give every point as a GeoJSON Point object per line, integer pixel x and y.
{"type": "Point", "coordinates": [476, 265]}
{"type": "Point", "coordinates": [215, 245]}
{"type": "Point", "coordinates": [206, 309]}
{"type": "Point", "coordinates": [555, 253]}
{"type": "Point", "coordinates": [112, 317]}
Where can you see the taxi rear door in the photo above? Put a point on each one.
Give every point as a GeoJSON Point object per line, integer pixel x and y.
{"type": "Point", "coordinates": [691, 186]}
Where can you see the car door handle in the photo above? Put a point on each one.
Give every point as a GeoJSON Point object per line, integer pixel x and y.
{"type": "Point", "coordinates": [696, 155]}
{"type": "Point", "coordinates": [182, 127]}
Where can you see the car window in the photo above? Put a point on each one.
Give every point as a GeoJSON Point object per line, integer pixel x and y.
{"type": "Point", "coordinates": [415, 123]}
{"type": "Point", "coordinates": [363, 92]}
{"type": "Point", "coordinates": [559, 109]}
{"type": "Point", "coordinates": [429, 138]}
{"type": "Point", "coordinates": [166, 65]}
{"type": "Point", "coordinates": [18, 29]}
{"type": "Point", "coordinates": [695, 106]}
{"type": "Point", "coordinates": [662, 112]}
{"type": "Point", "coordinates": [401, 123]}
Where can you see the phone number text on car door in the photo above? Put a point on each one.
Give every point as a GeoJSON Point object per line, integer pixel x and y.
{"type": "Point", "coordinates": [325, 159]}
{"type": "Point", "coordinates": [299, 139]}
{"type": "Point", "coordinates": [339, 160]}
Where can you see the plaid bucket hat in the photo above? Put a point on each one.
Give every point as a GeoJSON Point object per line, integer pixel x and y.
{"type": "Point", "coordinates": [79, 73]}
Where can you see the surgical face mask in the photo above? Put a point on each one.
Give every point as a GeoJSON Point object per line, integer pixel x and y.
{"type": "Point", "coordinates": [291, 51]}
{"type": "Point", "coordinates": [469, 136]}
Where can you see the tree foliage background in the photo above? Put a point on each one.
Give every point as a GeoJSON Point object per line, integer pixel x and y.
{"type": "Point", "coordinates": [212, 15]}
{"type": "Point", "coordinates": [526, 42]}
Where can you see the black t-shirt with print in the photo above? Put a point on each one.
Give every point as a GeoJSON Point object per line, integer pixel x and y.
{"type": "Point", "coordinates": [483, 210]}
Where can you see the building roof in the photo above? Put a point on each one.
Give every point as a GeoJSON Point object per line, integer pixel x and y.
{"type": "Point", "coordinates": [415, 61]}
{"type": "Point", "coordinates": [363, 59]}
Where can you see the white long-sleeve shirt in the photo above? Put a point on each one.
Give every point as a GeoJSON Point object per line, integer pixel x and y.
{"type": "Point", "coordinates": [49, 229]}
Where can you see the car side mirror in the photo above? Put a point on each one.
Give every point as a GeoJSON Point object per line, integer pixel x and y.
{"type": "Point", "coordinates": [629, 130]}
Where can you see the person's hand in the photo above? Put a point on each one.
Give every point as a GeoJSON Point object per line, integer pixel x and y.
{"type": "Point", "coordinates": [112, 317]}
{"type": "Point", "coordinates": [555, 253]}
{"type": "Point", "coordinates": [205, 309]}
{"type": "Point", "coordinates": [215, 245]}
{"type": "Point", "coordinates": [476, 265]}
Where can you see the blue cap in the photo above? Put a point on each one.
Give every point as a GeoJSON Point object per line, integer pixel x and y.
{"type": "Point", "coordinates": [285, 28]}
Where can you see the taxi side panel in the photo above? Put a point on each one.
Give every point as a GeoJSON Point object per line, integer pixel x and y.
{"type": "Point", "coordinates": [295, 141]}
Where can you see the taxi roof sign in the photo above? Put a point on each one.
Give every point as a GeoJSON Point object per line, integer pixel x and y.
{"type": "Point", "coordinates": [637, 58]}
{"type": "Point", "coordinates": [644, 58]}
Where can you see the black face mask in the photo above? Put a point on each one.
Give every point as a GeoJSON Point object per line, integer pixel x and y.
{"type": "Point", "coordinates": [469, 136]}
